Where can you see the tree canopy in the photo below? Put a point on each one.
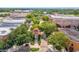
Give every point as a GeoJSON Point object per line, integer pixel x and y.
{"type": "Point", "coordinates": [48, 27]}
{"type": "Point", "coordinates": [45, 18]}
{"type": "Point", "coordinates": [20, 36]}
{"type": "Point", "coordinates": [58, 40]}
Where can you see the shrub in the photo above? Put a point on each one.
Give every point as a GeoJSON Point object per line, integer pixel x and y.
{"type": "Point", "coordinates": [58, 40]}
{"type": "Point", "coordinates": [34, 49]}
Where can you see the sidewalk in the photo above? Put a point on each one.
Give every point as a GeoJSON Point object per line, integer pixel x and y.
{"type": "Point", "coordinates": [43, 46]}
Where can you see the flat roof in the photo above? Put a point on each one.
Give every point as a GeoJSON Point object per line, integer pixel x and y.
{"type": "Point", "coordinates": [22, 11]}
{"type": "Point", "coordinates": [9, 23]}
{"type": "Point", "coordinates": [65, 17]}
{"type": "Point", "coordinates": [20, 20]}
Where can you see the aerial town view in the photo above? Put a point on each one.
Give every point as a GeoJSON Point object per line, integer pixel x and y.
{"type": "Point", "coordinates": [39, 30]}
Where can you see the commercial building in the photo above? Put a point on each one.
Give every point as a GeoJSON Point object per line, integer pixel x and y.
{"type": "Point", "coordinates": [68, 25]}
{"type": "Point", "coordinates": [19, 13]}
{"type": "Point", "coordinates": [74, 37]}
{"type": "Point", "coordinates": [66, 21]}
{"type": "Point", "coordinates": [8, 24]}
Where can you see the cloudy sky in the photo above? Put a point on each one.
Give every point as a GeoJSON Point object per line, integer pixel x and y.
{"type": "Point", "coordinates": [39, 3]}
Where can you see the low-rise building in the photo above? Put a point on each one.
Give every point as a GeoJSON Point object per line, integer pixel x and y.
{"type": "Point", "coordinates": [73, 35]}
{"type": "Point", "coordinates": [8, 24]}
{"type": "Point", "coordinates": [66, 21]}
{"type": "Point", "coordinates": [68, 25]}
{"type": "Point", "coordinates": [19, 13]}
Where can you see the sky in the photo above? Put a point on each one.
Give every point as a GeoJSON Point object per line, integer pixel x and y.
{"type": "Point", "coordinates": [39, 3]}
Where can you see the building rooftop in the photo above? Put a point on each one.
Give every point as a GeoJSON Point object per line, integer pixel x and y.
{"type": "Point", "coordinates": [8, 23]}
{"type": "Point", "coordinates": [22, 10]}
{"type": "Point", "coordinates": [13, 20]}
{"type": "Point", "coordinates": [71, 33]}
{"type": "Point", "coordinates": [65, 17]}
{"type": "Point", "coordinates": [65, 20]}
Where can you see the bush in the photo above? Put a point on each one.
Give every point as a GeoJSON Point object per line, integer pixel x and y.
{"type": "Point", "coordinates": [10, 43]}
{"type": "Point", "coordinates": [34, 49]}
{"type": "Point", "coordinates": [2, 44]}
{"type": "Point", "coordinates": [58, 47]}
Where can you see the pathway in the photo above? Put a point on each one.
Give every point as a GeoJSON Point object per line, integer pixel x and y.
{"type": "Point", "coordinates": [43, 46]}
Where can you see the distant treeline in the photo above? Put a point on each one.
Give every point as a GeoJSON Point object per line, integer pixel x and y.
{"type": "Point", "coordinates": [57, 10]}
{"type": "Point", "coordinates": [3, 15]}
{"type": "Point", "coordinates": [60, 11]}
{"type": "Point", "coordinates": [12, 9]}
{"type": "Point", "coordinates": [64, 11]}
{"type": "Point", "coordinates": [48, 10]}
{"type": "Point", "coordinates": [6, 9]}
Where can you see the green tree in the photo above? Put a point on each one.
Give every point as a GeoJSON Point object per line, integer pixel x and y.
{"type": "Point", "coordinates": [48, 27]}
{"type": "Point", "coordinates": [37, 13]}
{"type": "Point", "coordinates": [76, 12]}
{"type": "Point", "coordinates": [35, 20]}
{"type": "Point", "coordinates": [45, 18]}
{"type": "Point", "coordinates": [35, 26]}
{"type": "Point", "coordinates": [10, 42]}
{"type": "Point", "coordinates": [29, 15]}
{"type": "Point", "coordinates": [24, 38]}
{"type": "Point", "coordinates": [19, 36]}
{"type": "Point", "coordinates": [58, 40]}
